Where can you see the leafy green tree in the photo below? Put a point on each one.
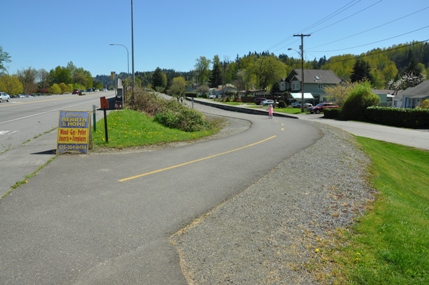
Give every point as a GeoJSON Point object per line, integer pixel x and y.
{"type": "Point", "coordinates": [202, 70]}
{"type": "Point", "coordinates": [159, 80]}
{"type": "Point", "coordinates": [98, 85]}
{"type": "Point", "coordinates": [216, 74]}
{"type": "Point", "coordinates": [28, 79]}
{"type": "Point", "coordinates": [203, 90]}
{"type": "Point", "coordinates": [276, 88]}
{"type": "Point", "coordinates": [178, 87]}
{"type": "Point", "coordinates": [341, 65]}
{"type": "Point", "coordinates": [60, 74]}
{"type": "Point", "coordinates": [240, 81]}
{"type": "Point", "coordinates": [268, 69]}
{"type": "Point", "coordinates": [339, 93]}
{"type": "Point", "coordinates": [4, 58]}
{"type": "Point", "coordinates": [11, 84]}
{"type": "Point", "coordinates": [81, 77]}
{"type": "Point", "coordinates": [55, 89]}
{"type": "Point", "coordinates": [382, 68]}
{"type": "Point", "coordinates": [64, 88]}
{"type": "Point", "coordinates": [425, 104]}
{"type": "Point", "coordinates": [360, 98]}
{"type": "Point", "coordinates": [43, 77]}
{"type": "Point", "coordinates": [361, 72]}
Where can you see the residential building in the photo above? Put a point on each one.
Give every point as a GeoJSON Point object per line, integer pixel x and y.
{"type": "Point", "coordinates": [414, 96]}
{"type": "Point", "coordinates": [386, 97]}
{"type": "Point", "coordinates": [315, 80]}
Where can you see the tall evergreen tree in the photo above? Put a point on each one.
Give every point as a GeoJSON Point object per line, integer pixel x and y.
{"type": "Point", "coordinates": [216, 75]}
{"type": "Point", "coordinates": [159, 79]}
{"type": "Point", "coordinates": [4, 57]}
{"type": "Point", "coordinates": [361, 72]}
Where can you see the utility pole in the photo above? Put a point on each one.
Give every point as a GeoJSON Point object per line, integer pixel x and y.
{"type": "Point", "coordinates": [302, 68]}
{"type": "Point", "coordinates": [132, 51]}
{"type": "Point", "coordinates": [223, 78]}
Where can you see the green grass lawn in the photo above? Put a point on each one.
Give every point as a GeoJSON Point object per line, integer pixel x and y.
{"type": "Point", "coordinates": [390, 245]}
{"type": "Point", "coordinates": [127, 128]}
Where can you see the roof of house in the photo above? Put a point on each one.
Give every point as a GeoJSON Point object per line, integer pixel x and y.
{"type": "Point", "coordinates": [314, 76]}
{"type": "Point", "coordinates": [382, 91]}
{"type": "Point", "coordinates": [419, 90]}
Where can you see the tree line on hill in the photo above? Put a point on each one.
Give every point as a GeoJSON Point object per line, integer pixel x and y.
{"type": "Point", "coordinates": [262, 71]}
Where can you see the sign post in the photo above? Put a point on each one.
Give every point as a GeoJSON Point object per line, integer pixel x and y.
{"type": "Point", "coordinates": [74, 132]}
{"type": "Point", "coordinates": [105, 105]}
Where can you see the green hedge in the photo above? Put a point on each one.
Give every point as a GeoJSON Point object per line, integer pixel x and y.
{"type": "Point", "coordinates": [332, 113]}
{"type": "Point", "coordinates": [398, 117]}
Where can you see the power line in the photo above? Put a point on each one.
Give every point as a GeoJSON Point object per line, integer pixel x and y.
{"type": "Point", "coordinates": [375, 41]}
{"type": "Point", "coordinates": [354, 14]}
{"type": "Point", "coordinates": [333, 14]}
{"type": "Point", "coordinates": [345, 7]}
{"type": "Point", "coordinates": [339, 20]}
{"type": "Point", "coordinates": [382, 25]}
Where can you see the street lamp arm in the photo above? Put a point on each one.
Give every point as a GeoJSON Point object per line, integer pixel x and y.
{"type": "Point", "coordinates": [128, 57]}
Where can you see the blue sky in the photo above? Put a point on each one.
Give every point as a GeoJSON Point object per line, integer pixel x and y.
{"type": "Point", "coordinates": [174, 34]}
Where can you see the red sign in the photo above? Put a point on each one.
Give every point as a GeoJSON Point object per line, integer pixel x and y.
{"type": "Point", "coordinates": [104, 103]}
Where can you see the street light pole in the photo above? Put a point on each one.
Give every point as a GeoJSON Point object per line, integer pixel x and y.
{"type": "Point", "coordinates": [302, 69]}
{"type": "Point", "coordinates": [128, 72]}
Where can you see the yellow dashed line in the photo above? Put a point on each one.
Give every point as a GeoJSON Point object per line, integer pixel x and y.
{"type": "Point", "coordinates": [194, 161]}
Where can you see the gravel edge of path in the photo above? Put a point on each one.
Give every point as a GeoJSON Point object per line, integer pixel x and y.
{"type": "Point", "coordinates": [270, 231]}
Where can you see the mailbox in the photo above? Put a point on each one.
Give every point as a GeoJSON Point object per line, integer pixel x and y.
{"type": "Point", "coordinates": [104, 103]}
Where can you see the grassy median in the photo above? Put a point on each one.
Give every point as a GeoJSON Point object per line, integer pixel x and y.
{"type": "Point", "coordinates": [128, 128]}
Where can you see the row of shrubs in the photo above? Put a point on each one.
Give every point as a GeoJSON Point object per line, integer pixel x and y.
{"type": "Point", "coordinates": [361, 106]}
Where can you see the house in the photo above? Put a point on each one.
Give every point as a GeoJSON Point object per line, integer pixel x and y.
{"type": "Point", "coordinates": [227, 90]}
{"type": "Point", "coordinates": [252, 93]}
{"type": "Point", "coordinates": [414, 96]}
{"type": "Point", "coordinates": [386, 97]}
{"type": "Point", "coordinates": [315, 80]}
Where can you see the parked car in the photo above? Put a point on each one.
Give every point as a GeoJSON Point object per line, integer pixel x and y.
{"type": "Point", "coordinates": [75, 91]}
{"type": "Point", "coordinates": [267, 102]}
{"type": "Point", "coordinates": [211, 96]}
{"type": "Point", "coordinates": [297, 104]}
{"type": "Point", "coordinates": [258, 101]}
{"type": "Point", "coordinates": [321, 106]}
{"type": "Point", "coordinates": [4, 97]}
{"type": "Point", "coordinates": [82, 92]}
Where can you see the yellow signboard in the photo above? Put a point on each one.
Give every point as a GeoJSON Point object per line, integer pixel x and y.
{"type": "Point", "coordinates": [74, 132]}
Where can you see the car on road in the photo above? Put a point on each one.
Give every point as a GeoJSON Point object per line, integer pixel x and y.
{"type": "Point", "coordinates": [82, 92]}
{"type": "Point", "coordinates": [4, 97]}
{"type": "Point", "coordinates": [297, 104]}
{"type": "Point", "coordinates": [322, 106]}
{"type": "Point", "coordinates": [267, 102]}
{"type": "Point", "coordinates": [75, 91]}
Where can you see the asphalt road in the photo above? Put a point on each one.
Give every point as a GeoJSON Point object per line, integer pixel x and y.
{"type": "Point", "coordinates": [106, 218]}
{"type": "Point", "coordinates": [28, 135]}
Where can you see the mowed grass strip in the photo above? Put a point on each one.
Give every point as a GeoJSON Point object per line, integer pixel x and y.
{"type": "Point", "coordinates": [390, 244]}
{"type": "Point", "coordinates": [128, 128]}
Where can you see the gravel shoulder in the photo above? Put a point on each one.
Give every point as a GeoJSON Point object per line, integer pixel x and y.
{"type": "Point", "coordinates": [269, 232]}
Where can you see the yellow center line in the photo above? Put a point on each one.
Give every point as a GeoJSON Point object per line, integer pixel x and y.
{"type": "Point", "coordinates": [194, 161]}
